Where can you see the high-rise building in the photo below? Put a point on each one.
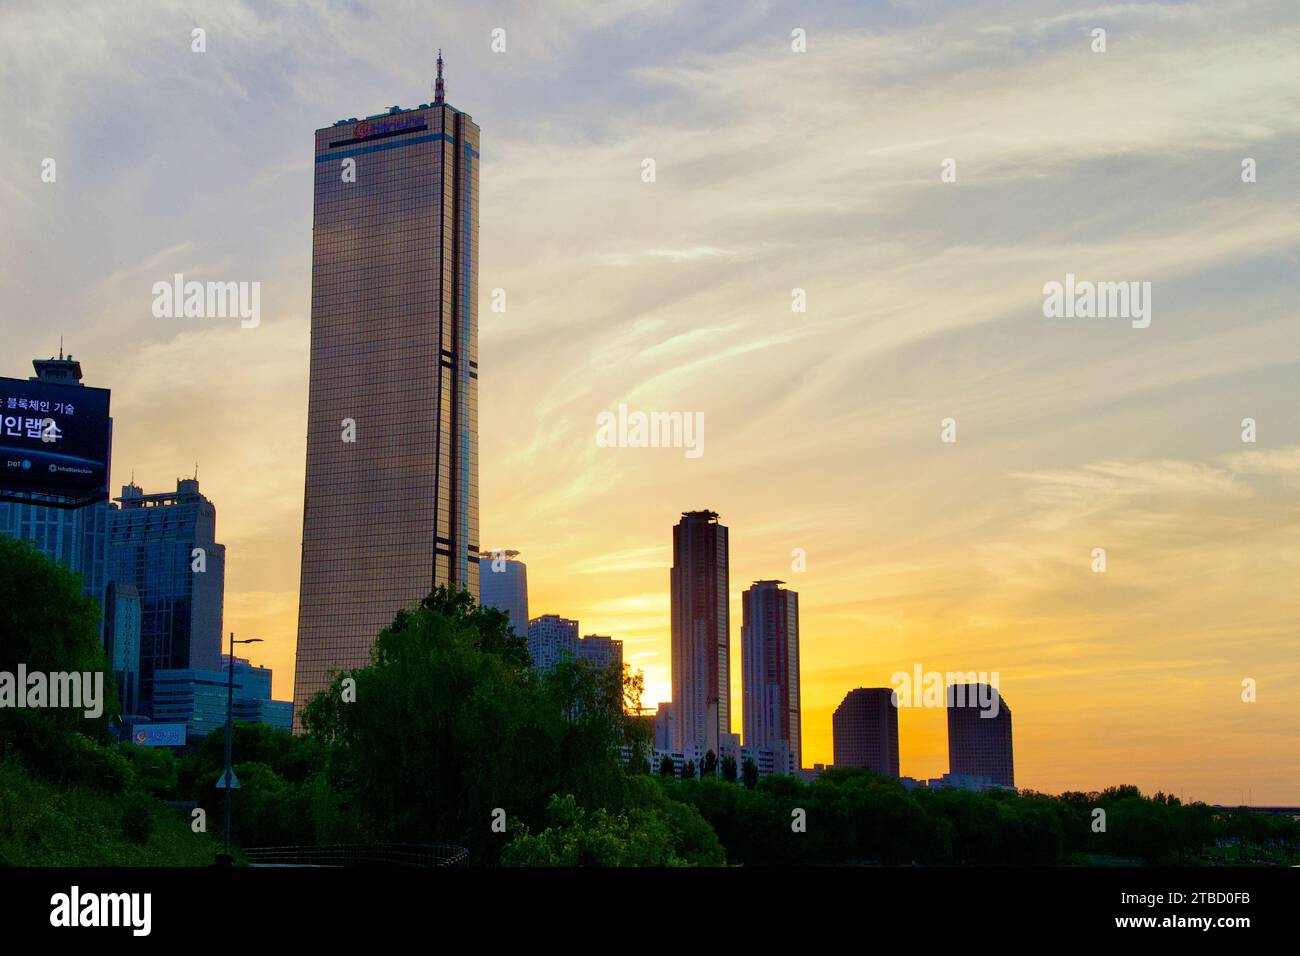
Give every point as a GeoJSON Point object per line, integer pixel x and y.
{"type": "Point", "coordinates": [552, 638]}
{"type": "Point", "coordinates": [74, 537]}
{"type": "Point", "coordinates": [165, 546]}
{"type": "Point", "coordinates": [601, 652]}
{"type": "Point", "coordinates": [979, 734]}
{"type": "Point", "coordinates": [503, 584]}
{"type": "Point", "coordinates": [701, 637]}
{"type": "Point", "coordinates": [864, 730]}
{"type": "Point", "coordinates": [391, 501]}
{"type": "Point", "coordinates": [121, 638]}
{"type": "Point", "coordinates": [769, 658]}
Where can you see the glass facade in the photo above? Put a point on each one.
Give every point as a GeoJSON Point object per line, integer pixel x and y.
{"type": "Point", "coordinates": [151, 547]}
{"type": "Point", "coordinates": [503, 582]}
{"type": "Point", "coordinates": [391, 501]}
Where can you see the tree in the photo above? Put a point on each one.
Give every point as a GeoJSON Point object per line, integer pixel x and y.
{"type": "Point", "coordinates": [450, 721]}
{"type": "Point", "coordinates": [49, 625]}
{"type": "Point", "coordinates": [729, 769]}
{"type": "Point", "coordinates": [750, 772]}
{"type": "Point", "coordinates": [710, 768]}
{"type": "Point", "coordinates": [666, 766]}
{"type": "Point", "coordinates": [689, 772]}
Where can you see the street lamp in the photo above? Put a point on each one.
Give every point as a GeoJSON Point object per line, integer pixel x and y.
{"type": "Point", "coordinates": [229, 777]}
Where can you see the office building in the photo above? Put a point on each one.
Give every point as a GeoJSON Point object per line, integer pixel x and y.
{"type": "Point", "coordinates": [552, 638]}
{"type": "Point", "coordinates": [391, 493]}
{"type": "Point", "coordinates": [864, 731]}
{"type": "Point", "coordinates": [164, 545]}
{"type": "Point", "coordinates": [701, 638]}
{"type": "Point", "coordinates": [503, 584]}
{"type": "Point", "coordinates": [77, 538]}
{"type": "Point", "coordinates": [601, 652]}
{"type": "Point", "coordinates": [198, 697]}
{"type": "Point", "coordinates": [769, 655]}
{"type": "Point", "coordinates": [979, 734]}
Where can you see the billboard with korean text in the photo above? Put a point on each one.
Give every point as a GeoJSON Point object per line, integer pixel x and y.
{"type": "Point", "coordinates": [54, 439]}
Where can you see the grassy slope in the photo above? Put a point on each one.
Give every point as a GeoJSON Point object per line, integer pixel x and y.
{"type": "Point", "coordinates": [41, 825]}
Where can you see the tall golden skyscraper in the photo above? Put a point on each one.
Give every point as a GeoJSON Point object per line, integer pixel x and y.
{"type": "Point", "coordinates": [391, 503]}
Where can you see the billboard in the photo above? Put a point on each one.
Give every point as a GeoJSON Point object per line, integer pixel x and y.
{"type": "Point", "coordinates": [54, 439]}
{"type": "Point", "coordinates": [158, 735]}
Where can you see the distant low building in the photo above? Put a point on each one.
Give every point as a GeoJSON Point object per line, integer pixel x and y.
{"type": "Point", "coordinates": [601, 652]}
{"type": "Point", "coordinates": [958, 781]}
{"type": "Point", "coordinates": [197, 698]}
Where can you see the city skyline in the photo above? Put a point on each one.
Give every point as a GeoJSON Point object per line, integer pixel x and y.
{"type": "Point", "coordinates": [924, 302]}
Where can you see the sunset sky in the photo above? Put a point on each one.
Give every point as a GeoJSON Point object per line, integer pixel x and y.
{"type": "Point", "coordinates": [776, 171]}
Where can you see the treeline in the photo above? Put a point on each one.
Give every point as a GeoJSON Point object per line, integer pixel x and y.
{"type": "Point", "coordinates": [449, 735]}
{"type": "Point", "coordinates": [854, 816]}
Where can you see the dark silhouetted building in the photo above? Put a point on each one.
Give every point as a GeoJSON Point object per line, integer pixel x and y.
{"type": "Point", "coordinates": [769, 655]}
{"type": "Point", "coordinates": [701, 639]}
{"type": "Point", "coordinates": [979, 734]}
{"type": "Point", "coordinates": [865, 730]}
{"type": "Point", "coordinates": [391, 498]}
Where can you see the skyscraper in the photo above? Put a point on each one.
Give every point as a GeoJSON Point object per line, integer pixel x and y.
{"type": "Point", "coordinates": [391, 502]}
{"type": "Point", "coordinates": [550, 639]}
{"type": "Point", "coordinates": [503, 584]}
{"type": "Point", "coordinates": [75, 537]}
{"type": "Point", "coordinates": [979, 734]}
{"type": "Point", "coordinates": [865, 731]}
{"type": "Point", "coordinates": [701, 636]}
{"type": "Point", "coordinates": [769, 658]}
{"type": "Point", "coordinates": [164, 545]}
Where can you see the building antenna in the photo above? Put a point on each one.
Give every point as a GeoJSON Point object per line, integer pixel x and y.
{"type": "Point", "coordinates": [60, 348]}
{"type": "Point", "coordinates": [439, 91]}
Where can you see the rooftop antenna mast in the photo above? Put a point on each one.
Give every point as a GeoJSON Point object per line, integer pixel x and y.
{"type": "Point", "coordinates": [439, 91]}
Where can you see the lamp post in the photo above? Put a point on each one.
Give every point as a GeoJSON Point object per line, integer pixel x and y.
{"type": "Point", "coordinates": [228, 779]}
